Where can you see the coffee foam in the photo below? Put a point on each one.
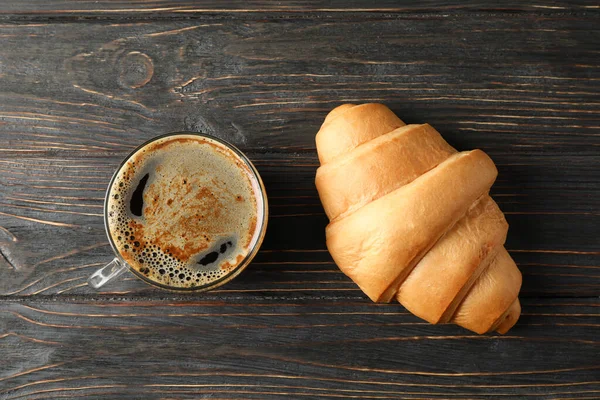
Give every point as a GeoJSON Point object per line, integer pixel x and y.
{"type": "Point", "coordinates": [198, 218]}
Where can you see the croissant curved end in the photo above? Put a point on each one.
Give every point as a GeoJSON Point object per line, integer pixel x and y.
{"type": "Point", "coordinates": [337, 111]}
{"type": "Point", "coordinates": [350, 125]}
{"type": "Point", "coordinates": [510, 318]}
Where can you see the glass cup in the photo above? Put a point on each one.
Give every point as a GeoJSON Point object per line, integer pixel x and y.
{"type": "Point", "coordinates": [118, 265]}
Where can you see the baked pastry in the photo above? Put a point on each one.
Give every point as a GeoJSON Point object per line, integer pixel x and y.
{"type": "Point", "coordinates": [411, 219]}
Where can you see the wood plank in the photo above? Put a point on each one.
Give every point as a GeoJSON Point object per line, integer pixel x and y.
{"type": "Point", "coordinates": [252, 347]}
{"type": "Point", "coordinates": [75, 98]}
{"type": "Point", "coordinates": [82, 83]}
{"type": "Point", "coordinates": [94, 86]}
{"type": "Point", "coordinates": [53, 235]}
{"type": "Point", "coordinates": [98, 85]}
{"type": "Point", "coordinates": [185, 7]}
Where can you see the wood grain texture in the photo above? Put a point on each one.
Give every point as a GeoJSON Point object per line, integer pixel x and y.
{"type": "Point", "coordinates": [76, 98]}
{"type": "Point", "coordinates": [171, 8]}
{"type": "Point", "coordinates": [257, 347]}
{"type": "Point", "coordinates": [54, 236]}
{"type": "Point", "coordinates": [83, 83]}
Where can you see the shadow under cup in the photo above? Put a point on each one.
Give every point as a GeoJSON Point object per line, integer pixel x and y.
{"type": "Point", "coordinates": [189, 258]}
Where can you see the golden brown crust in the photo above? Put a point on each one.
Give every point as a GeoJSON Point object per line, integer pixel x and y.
{"type": "Point", "coordinates": [412, 219]}
{"type": "Point", "coordinates": [337, 111]}
{"type": "Point", "coordinates": [378, 167]}
{"type": "Point", "coordinates": [380, 243]}
{"type": "Point", "coordinates": [491, 295]}
{"type": "Point", "coordinates": [510, 317]}
{"type": "Point", "coordinates": [350, 125]}
{"type": "Point", "coordinates": [442, 278]}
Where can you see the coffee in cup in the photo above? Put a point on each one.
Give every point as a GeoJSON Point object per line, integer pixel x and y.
{"type": "Point", "coordinates": [186, 211]}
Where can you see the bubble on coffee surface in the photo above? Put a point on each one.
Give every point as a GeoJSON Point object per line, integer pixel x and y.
{"type": "Point", "coordinates": [182, 211]}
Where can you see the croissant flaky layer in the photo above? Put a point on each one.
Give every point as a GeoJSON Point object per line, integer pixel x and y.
{"type": "Point", "coordinates": [411, 219]}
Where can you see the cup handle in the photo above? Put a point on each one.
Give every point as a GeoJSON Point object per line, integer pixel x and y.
{"type": "Point", "coordinates": [107, 273]}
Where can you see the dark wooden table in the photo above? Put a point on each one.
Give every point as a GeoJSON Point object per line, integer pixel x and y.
{"type": "Point", "coordinates": [84, 82]}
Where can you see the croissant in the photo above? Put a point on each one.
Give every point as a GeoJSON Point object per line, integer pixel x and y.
{"type": "Point", "coordinates": [411, 219]}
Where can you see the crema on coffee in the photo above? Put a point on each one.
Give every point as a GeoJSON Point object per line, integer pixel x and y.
{"type": "Point", "coordinates": [184, 211]}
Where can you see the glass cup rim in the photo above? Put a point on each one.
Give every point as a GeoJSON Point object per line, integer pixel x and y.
{"type": "Point", "coordinates": [253, 249]}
